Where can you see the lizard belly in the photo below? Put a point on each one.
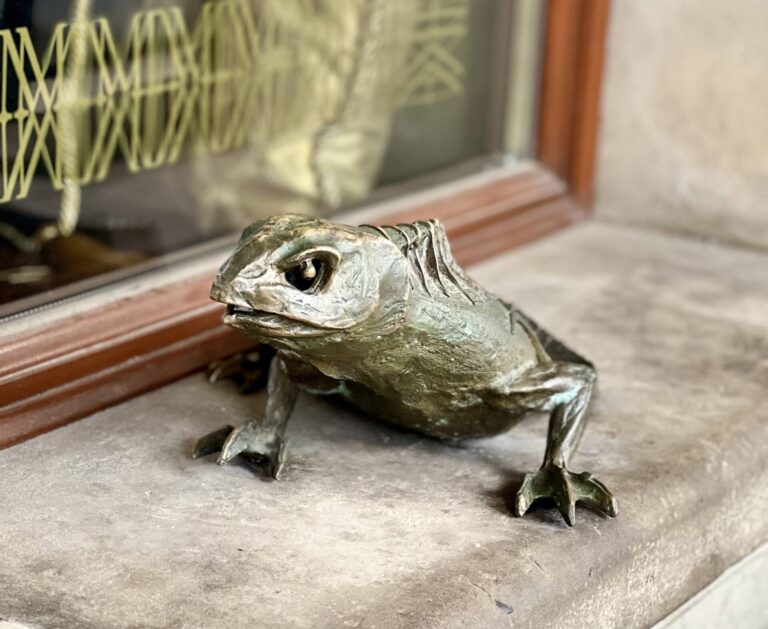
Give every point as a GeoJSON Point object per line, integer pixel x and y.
{"type": "Point", "coordinates": [438, 414]}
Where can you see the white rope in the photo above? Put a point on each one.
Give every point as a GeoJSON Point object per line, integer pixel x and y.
{"type": "Point", "coordinates": [69, 210]}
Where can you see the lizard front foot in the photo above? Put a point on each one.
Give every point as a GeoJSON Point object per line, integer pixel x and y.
{"type": "Point", "coordinates": [251, 441]}
{"type": "Point", "coordinates": [565, 489]}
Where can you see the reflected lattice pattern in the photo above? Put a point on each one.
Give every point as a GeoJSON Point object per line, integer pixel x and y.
{"type": "Point", "coordinates": [235, 76]}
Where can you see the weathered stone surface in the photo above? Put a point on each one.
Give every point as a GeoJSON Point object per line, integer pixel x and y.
{"type": "Point", "coordinates": [683, 120]}
{"type": "Point", "coordinates": [108, 523]}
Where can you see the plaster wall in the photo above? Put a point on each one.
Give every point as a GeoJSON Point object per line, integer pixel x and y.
{"type": "Point", "coordinates": [684, 129]}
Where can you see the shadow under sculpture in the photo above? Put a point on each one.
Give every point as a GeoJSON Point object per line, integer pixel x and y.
{"type": "Point", "coordinates": [384, 317]}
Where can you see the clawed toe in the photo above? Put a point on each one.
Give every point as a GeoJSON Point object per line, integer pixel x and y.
{"type": "Point", "coordinates": [212, 442]}
{"type": "Point", "coordinates": [565, 489]}
{"type": "Point", "coordinates": [596, 495]}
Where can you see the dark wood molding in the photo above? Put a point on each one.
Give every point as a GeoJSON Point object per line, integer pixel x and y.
{"type": "Point", "coordinates": [55, 374]}
{"type": "Point", "coordinates": [570, 92]}
{"type": "Point", "coordinates": [62, 372]}
{"type": "Point", "coordinates": [592, 33]}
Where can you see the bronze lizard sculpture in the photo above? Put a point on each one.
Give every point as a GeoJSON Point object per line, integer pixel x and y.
{"type": "Point", "coordinates": [384, 317]}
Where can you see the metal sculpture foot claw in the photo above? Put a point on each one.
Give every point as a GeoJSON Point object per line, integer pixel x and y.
{"type": "Point", "coordinates": [250, 441]}
{"type": "Point", "coordinates": [565, 489]}
{"type": "Point", "coordinates": [212, 442]}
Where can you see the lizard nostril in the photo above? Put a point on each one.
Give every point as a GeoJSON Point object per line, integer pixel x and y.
{"type": "Point", "coordinates": [251, 274]}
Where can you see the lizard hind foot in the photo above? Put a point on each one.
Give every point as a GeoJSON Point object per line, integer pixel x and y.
{"type": "Point", "coordinates": [248, 370]}
{"type": "Point", "coordinates": [565, 489]}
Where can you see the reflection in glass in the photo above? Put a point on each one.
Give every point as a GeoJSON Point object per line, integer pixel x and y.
{"type": "Point", "coordinates": [184, 120]}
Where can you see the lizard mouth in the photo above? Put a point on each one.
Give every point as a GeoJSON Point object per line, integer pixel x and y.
{"type": "Point", "coordinates": [233, 313]}
{"type": "Point", "coordinates": [269, 323]}
{"type": "Point", "coordinates": [237, 311]}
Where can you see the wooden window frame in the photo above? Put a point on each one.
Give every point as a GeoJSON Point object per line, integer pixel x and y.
{"type": "Point", "coordinates": [51, 375]}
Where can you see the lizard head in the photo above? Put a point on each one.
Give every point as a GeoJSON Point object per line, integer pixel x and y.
{"type": "Point", "coordinates": [296, 276]}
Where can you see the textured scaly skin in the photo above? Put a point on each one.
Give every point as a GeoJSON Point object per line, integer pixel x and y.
{"type": "Point", "coordinates": [384, 317]}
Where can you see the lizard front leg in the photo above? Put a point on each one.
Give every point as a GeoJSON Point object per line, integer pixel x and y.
{"type": "Point", "coordinates": [563, 390]}
{"type": "Point", "coordinates": [258, 441]}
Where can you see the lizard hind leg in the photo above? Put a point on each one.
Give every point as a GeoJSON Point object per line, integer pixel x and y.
{"type": "Point", "coordinates": [563, 390]}
{"type": "Point", "coordinates": [248, 370]}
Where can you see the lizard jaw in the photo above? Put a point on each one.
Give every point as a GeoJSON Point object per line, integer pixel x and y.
{"type": "Point", "coordinates": [252, 320]}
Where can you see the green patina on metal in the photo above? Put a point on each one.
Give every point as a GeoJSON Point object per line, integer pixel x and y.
{"type": "Point", "coordinates": [384, 317]}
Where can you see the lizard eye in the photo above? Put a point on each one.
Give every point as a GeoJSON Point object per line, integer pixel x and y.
{"type": "Point", "coordinates": [306, 275]}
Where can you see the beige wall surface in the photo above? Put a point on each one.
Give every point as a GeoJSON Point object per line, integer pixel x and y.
{"type": "Point", "coordinates": [684, 129]}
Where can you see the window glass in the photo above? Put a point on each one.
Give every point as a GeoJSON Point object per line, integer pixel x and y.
{"type": "Point", "coordinates": [130, 130]}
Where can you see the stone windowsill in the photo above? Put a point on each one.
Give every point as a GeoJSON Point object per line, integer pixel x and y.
{"type": "Point", "coordinates": [108, 523]}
